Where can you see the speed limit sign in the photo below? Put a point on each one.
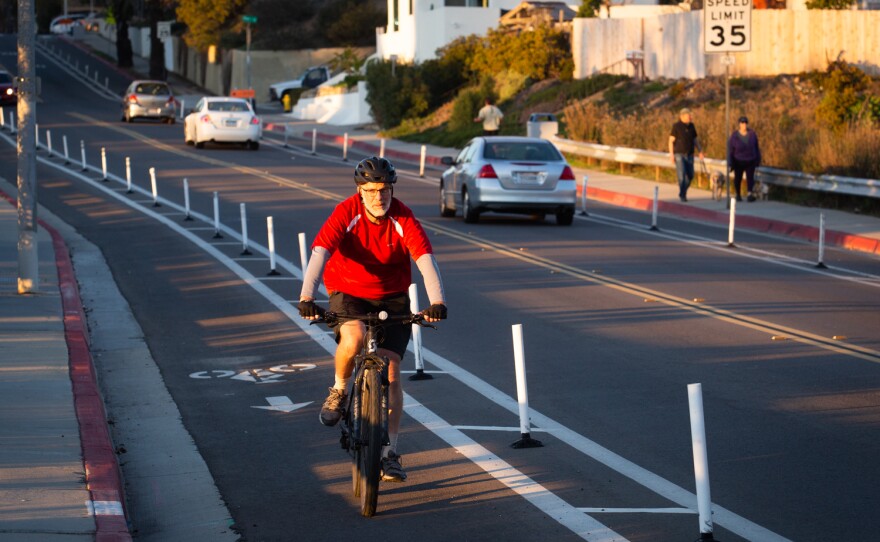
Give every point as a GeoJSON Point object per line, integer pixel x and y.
{"type": "Point", "coordinates": [727, 26]}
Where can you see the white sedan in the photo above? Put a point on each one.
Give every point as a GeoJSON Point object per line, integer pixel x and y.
{"type": "Point", "coordinates": [223, 120]}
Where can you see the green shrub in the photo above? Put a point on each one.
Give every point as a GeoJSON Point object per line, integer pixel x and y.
{"type": "Point", "coordinates": [397, 97]}
{"type": "Point", "coordinates": [843, 85]}
{"type": "Point", "coordinates": [677, 90]}
{"type": "Point", "coordinates": [466, 106]}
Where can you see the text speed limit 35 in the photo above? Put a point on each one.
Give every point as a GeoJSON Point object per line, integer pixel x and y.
{"type": "Point", "coordinates": [727, 26]}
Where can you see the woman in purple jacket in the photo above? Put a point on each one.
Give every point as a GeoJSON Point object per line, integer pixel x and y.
{"type": "Point", "coordinates": [743, 155]}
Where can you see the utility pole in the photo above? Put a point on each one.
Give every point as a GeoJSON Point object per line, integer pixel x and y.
{"type": "Point", "coordinates": [28, 259]}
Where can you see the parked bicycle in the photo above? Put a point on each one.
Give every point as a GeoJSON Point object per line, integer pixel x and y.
{"type": "Point", "coordinates": [365, 418]}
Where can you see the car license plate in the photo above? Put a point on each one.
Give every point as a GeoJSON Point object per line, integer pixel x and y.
{"type": "Point", "coordinates": [529, 177]}
{"type": "Point", "coordinates": [231, 123]}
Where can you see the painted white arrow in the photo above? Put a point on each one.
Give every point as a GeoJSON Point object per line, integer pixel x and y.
{"type": "Point", "coordinates": [282, 404]}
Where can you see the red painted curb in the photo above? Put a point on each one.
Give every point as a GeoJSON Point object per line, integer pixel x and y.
{"type": "Point", "coordinates": [103, 478]}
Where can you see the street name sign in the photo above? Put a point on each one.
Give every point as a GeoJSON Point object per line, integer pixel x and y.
{"type": "Point", "coordinates": [727, 26]}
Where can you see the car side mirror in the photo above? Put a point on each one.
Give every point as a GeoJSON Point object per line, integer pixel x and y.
{"type": "Point", "coordinates": [447, 161]}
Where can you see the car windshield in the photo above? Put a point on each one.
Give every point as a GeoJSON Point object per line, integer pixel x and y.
{"type": "Point", "coordinates": [228, 106]}
{"type": "Point", "coordinates": [521, 150]}
{"type": "Point", "coordinates": [155, 89]}
{"type": "Point", "coordinates": [5, 77]}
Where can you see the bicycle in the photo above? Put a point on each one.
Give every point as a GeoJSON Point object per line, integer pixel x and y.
{"type": "Point", "coordinates": [365, 417]}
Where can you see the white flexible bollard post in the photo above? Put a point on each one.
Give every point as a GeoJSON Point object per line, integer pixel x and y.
{"type": "Point", "coordinates": [37, 132]}
{"type": "Point", "coordinates": [270, 229]}
{"type": "Point", "coordinates": [128, 175]}
{"type": "Point", "coordinates": [420, 373]}
{"type": "Point", "coordinates": [12, 127]}
{"type": "Point", "coordinates": [821, 263]}
{"type": "Point", "coordinates": [314, 140]}
{"type": "Point", "coordinates": [731, 227]}
{"type": "Point", "coordinates": [584, 197]}
{"type": "Point", "coordinates": [217, 234]}
{"type": "Point", "coordinates": [186, 215]}
{"type": "Point", "coordinates": [654, 209]}
{"type": "Point", "coordinates": [86, 70]}
{"type": "Point", "coordinates": [96, 75]}
{"type": "Point", "coordinates": [154, 187]}
{"type": "Point", "coordinates": [345, 147]}
{"type": "Point", "coordinates": [49, 142]}
{"type": "Point", "coordinates": [82, 152]}
{"type": "Point", "coordinates": [303, 252]}
{"type": "Point", "coordinates": [66, 154]}
{"type": "Point", "coordinates": [103, 164]}
{"type": "Point", "coordinates": [244, 233]}
{"type": "Point", "coordinates": [382, 148]}
{"type": "Point", "coordinates": [106, 82]}
{"type": "Point", "coordinates": [422, 156]}
{"type": "Point", "coordinates": [701, 460]}
{"type": "Point", "coordinates": [2, 120]}
{"type": "Point", "coordinates": [522, 392]}
{"type": "Point", "coordinates": [182, 108]}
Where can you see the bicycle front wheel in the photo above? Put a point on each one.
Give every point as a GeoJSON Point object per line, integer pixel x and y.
{"type": "Point", "coordinates": [371, 441]}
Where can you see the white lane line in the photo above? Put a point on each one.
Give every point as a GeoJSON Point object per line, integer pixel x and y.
{"type": "Point", "coordinates": [637, 511]}
{"type": "Point", "coordinates": [494, 428]}
{"type": "Point", "coordinates": [577, 521]}
{"type": "Point", "coordinates": [581, 524]}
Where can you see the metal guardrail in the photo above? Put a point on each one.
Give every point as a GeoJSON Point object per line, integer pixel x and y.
{"type": "Point", "coordinates": [769, 176]}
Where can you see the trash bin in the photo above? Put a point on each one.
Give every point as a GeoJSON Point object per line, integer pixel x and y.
{"type": "Point", "coordinates": [543, 125]}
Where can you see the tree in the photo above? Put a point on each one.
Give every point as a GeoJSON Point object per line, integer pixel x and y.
{"type": "Point", "coordinates": [205, 19]}
{"type": "Point", "coordinates": [121, 12]}
{"type": "Point", "coordinates": [589, 8]}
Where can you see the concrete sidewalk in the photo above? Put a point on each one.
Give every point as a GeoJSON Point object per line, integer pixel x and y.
{"type": "Point", "coordinates": [847, 230]}
{"type": "Point", "coordinates": [59, 479]}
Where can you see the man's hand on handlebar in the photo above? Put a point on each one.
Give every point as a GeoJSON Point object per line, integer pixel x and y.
{"type": "Point", "coordinates": [309, 310]}
{"type": "Point", "coordinates": [435, 312]}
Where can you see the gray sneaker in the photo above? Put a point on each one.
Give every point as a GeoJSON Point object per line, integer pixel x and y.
{"type": "Point", "coordinates": [392, 471]}
{"type": "Point", "coordinates": [331, 412]}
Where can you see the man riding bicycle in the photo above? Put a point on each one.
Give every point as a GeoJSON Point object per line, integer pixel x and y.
{"type": "Point", "coordinates": [364, 250]}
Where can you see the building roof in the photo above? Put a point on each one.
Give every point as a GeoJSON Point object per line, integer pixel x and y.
{"type": "Point", "coordinates": [533, 13]}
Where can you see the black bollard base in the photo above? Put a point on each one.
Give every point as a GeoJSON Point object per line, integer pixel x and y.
{"type": "Point", "coordinates": [654, 228]}
{"type": "Point", "coordinates": [421, 375]}
{"type": "Point", "coordinates": [246, 252]}
{"type": "Point", "coordinates": [731, 245]}
{"type": "Point", "coordinates": [706, 536]}
{"type": "Point", "coordinates": [583, 213]}
{"type": "Point", "coordinates": [273, 273]}
{"type": "Point", "coordinates": [157, 204]}
{"type": "Point", "coordinates": [526, 441]}
{"type": "Point", "coordinates": [821, 265]}
{"type": "Point", "coordinates": [187, 218]}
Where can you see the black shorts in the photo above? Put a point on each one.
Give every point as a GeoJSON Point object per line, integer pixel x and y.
{"type": "Point", "coordinates": [394, 336]}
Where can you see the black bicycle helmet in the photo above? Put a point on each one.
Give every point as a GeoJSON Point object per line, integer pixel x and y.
{"type": "Point", "coordinates": [375, 170]}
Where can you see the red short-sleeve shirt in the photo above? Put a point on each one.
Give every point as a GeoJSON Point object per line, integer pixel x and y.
{"type": "Point", "coordinates": [367, 260]}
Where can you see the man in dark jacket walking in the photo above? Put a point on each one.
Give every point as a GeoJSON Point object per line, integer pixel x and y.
{"type": "Point", "coordinates": [743, 155]}
{"type": "Point", "coordinates": [682, 142]}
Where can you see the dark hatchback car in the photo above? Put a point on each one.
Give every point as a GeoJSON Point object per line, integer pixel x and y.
{"type": "Point", "coordinates": [508, 175]}
{"type": "Point", "coordinates": [8, 91]}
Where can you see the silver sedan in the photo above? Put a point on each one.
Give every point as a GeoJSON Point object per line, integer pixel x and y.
{"type": "Point", "coordinates": [508, 175]}
{"type": "Point", "coordinates": [149, 99]}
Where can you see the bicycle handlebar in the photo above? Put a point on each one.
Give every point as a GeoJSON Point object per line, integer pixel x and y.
{"type": "Point", "coordinates": [372, 319]}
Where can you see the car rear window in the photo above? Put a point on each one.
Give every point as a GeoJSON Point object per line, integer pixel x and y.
{"type": "Point", "coordinates": [5, 77]}
{"type": "Point", "coordinates": [154, 89]}
{"type": "Point", "coordinates": [521, 150]}
{"type": "Point", "coordinates": [227, 106]}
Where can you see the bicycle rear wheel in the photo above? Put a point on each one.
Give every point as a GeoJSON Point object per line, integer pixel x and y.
{"type": "Point", "coordinates": [371, 440]}
{"type": "Point", "coordinates": [354, 438]}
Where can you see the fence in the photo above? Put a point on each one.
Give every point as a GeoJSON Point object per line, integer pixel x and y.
{"type": "Point", "coordinates": [783, 41]}
{"type": "Point", "coordinates": [768, 176]}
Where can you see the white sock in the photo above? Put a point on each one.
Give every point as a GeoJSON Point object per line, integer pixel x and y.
{"type": "Point", "coordinates": [341, 384]}
{"type": "Point", "coordinates": [392, 437]}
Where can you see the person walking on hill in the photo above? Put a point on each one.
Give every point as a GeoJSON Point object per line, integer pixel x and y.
{"type": "Point", "coordinates": [743, 155]}
{"type": "Point", "coordinates": [491, 117]}
{"type": "Point", "coordinates": [683, 140]}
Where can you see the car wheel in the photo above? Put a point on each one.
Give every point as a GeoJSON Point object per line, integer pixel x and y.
{"type": "Point", "coordinates": [470, 214]}
{"type": "Point", "coordinates": [170, 120]}
{"type": "Point", "coordinates": [445, 210]}
{"type": "Point", "coordinates": [565, 217]}
{"type": "Point", "coordinates": [200, 144]}
{"type": "Point", "coordinates": [126, 117]}
{"type": "Point", "coordinates": [254, 145]}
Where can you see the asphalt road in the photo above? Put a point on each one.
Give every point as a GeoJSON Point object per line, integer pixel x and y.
{"type": "Point", "coordinates": [617, 322]}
